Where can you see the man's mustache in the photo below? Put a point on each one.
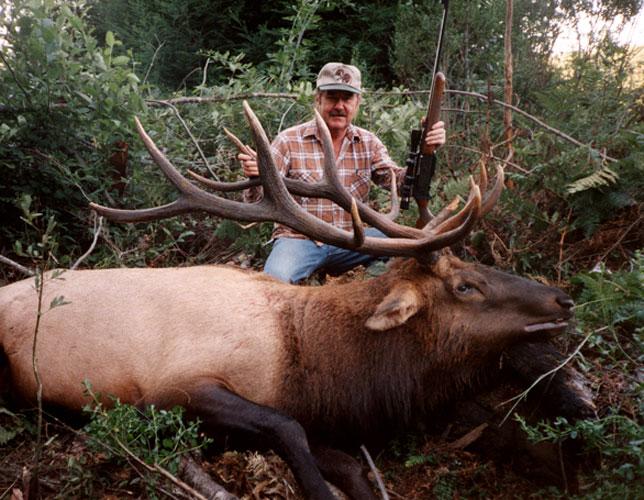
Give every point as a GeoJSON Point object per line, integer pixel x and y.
{"type": "Point", "coordinates": [337, 113]}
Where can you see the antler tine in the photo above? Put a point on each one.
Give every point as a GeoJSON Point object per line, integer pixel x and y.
{"type": "Point", "coordinates": [240, 145]}
{"type": "Point", "coordinates": [446, 212]}
{"type": "Point", "coordinates": [358, 227]}
{"type": "Point", "coordinates": [225, 187]}
{"type": "Point", "coordinates": [330, 170]}
{"type": "Point", "coordinates": [483, 177]}
{"type": "Point", "coordinates": [190, 197]}
{"type": "Point", "coordinates": [394, 210]}
{"type": "Point", "coordinates": [425, 214]}
{"type": "Point", "coordinates": [457, 219]}
{"type": "Point", "coordinates": [492, 196]}
{"type": "Point", "coordinates": [228, 186]}
{"type": "Point", "coordinates": [422, 249]}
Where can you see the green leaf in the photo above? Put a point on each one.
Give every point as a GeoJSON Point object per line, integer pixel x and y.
{"type": "Point", "coordinates": [109, 38]}
{"type": "Point", "coordinates": [120, 60]}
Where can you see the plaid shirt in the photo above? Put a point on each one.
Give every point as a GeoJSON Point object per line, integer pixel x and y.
{"type": "Point", "coordinates": [363, 157]}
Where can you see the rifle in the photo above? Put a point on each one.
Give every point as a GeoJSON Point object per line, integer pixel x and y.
{"type": "Point", "coordinates": [421, 163]}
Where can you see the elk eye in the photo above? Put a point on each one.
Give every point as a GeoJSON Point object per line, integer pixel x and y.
{"type": "Point", "coordinates": [465, 288]}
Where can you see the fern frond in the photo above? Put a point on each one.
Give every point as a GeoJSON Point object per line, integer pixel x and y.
{"type": "Point", "coordinates": [601, 177]}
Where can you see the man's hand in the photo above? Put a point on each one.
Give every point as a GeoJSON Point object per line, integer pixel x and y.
{"type": "Point", "coordinates": [435, 138]}
{"type": "Point", "coordinates": [249, 162]}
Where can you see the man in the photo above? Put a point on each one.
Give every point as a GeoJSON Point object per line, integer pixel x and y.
{"type": "Point", "coordinates": [360, 157]}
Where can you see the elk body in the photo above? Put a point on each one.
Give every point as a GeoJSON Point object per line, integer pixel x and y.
{"type": "Point", "coordinates": [293, 368]}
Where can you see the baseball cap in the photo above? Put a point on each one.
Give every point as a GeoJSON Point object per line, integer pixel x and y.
{"type": "Point", "coordinates": [338, 76]}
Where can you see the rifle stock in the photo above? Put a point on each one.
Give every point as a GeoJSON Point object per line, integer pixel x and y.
{"type": "Point", "coordinates": [427, 159]}
{"type": "Point", "coordinates": [434, 109]}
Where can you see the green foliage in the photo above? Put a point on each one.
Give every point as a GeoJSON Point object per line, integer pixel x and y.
{"type": "Point", "coordinates": [252, 240]}
{"type": "Point", "coordinates": [617, 441]}
{"type": "Point", "coordinates": [446, 486]}
{"type": "Point", "coordinates": [157, 437]}
{"type": "Point", "coordinates": [610, 302]}
{"type": "Point", "coordinates": [169, 36]}
{"type": "Point", "coordinates": [414, 460]}
{"type": "Point", "coordinates": [64, 99]}
{"type": "Point", "coordinates": [613, 298]}
{"type": "Point", "coordinates": [13, 425]}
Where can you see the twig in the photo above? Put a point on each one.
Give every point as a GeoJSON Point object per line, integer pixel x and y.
{"type": "Point", "coordinates": [192, 137]}
{"type": "Point", "coordinates": [40, 286]}
{"type": "Point", "coordinates": [197, 477]}
{"type": "Point", "coordinates": [185, 78]}
{"type": "Point", "coordinates": [97, 231]}
{"type": "Point", "coordinates": [621, 238]}
{"type": "Point", "coordinates": [154, 56]}
{"type": "Point", "coordinates": [2, 495]}
{"type": "Point", "coordinates": [518, 398]}
{"type": "Point", "coordinates": [8, 66]}
{"type": "Point", "coordinates": [472, 150]}
{"type": "Point", "coordinates": [553, 130]}
{"type": "Point", "coordinates": [22, 269]}
{"type": "Point", "coordinates": [205, 76]}
{"type": "Point", "coordinates": [200, 100]}
{"type": "Point", "coordinates": [561, 245]}
{"type": "Point", "coordinates": [160, 470]}
{"type": "Point", "coordinates": [279, 129]}
{"type": "Point", "coordinates": [376, 475]}
{"type": "Point", "coordinates": [469, 438]}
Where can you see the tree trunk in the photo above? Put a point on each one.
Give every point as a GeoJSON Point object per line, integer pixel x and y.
{"type": "Point", "coordinates": [507, 116]}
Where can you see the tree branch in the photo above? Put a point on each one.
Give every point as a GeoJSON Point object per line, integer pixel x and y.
{"type": "Point", "coordinates": [22, 269]}
{"type": "Point", "coordinates": [553, 130]}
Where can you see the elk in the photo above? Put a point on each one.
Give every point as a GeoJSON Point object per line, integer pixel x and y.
{"type": "Point", "coordinates": [292, 368]}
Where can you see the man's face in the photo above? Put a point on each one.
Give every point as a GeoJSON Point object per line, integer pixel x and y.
{"type": "Point", "coordinates": [337, 107]}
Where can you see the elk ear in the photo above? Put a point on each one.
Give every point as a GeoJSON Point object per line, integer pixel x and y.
{"type": "Point", "coordinates": [396, 308]}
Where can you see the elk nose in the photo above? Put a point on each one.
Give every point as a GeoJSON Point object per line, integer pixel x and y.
{"type": "Point", "coordinates": [566, 302]}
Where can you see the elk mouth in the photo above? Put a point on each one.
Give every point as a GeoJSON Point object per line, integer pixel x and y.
{"type": "Point", "coordinates": [550, 328]}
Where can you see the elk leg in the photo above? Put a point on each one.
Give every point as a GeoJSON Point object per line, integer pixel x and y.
{"type": "Point", "coordinates": [344, 472]}
{"type": "Point", "coordinates": [222, 410]}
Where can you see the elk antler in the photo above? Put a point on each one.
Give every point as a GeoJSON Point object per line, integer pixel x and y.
{"type": "Point", "coordinates": [329, 187]}
{"type": "Point", "coordinates": [278, 205]}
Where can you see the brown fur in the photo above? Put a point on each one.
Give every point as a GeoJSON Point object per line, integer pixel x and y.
{"type": "Point", "coordinates": [147, 335]}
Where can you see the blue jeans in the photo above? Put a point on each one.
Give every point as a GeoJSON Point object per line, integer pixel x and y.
{"type": "Point", "coordinates": [293, 259]}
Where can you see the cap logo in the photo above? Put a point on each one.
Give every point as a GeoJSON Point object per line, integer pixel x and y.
{"type": "Point", "coordinates": [342, 77]}
{"type": "Point", "coordinates": [338, 76]}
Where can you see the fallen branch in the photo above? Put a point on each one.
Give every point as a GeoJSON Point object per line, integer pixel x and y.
{"type": "Point", "coordinates": [236, 97]}
{"type": "Point", "coordinates": [376, 475]}
{"type": "Point", "coordinates": [469, 438]}
{"type": "Point", "coordinates": [97, 231]}
{"type": "Point", "coordinates": [257, 95]}
{"type": "Point", "coordinates": [22, 269]}
{"type": "Point", "coordinates": [553, 130]}
{"type": "Point", "coordinates": [194, 475]}
{"type": "Point", "coordinates": [178, 482]}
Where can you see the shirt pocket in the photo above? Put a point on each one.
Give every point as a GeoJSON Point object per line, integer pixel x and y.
{"type": "Point", "coordinates": [304, 175]}
{"type": "Point", "coordinates": [360, 182]}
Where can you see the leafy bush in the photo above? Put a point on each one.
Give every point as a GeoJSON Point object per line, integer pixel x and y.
{"type": "Point", "coordinates": [65, 99]}
{"type": "Point", "coordinates": [610, 307]}
{"type": "Point", "coordinates": [157, 437]}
